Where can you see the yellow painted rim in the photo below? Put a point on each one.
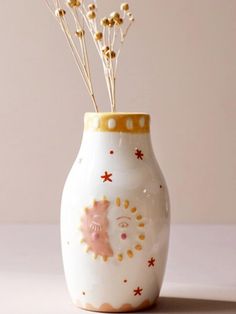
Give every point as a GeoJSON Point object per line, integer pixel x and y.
{"type": "Point", "coordinates": [117, 122]}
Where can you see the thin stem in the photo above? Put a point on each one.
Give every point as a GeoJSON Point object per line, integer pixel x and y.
{"type": "Point", "coordinates": [92, 28]}
{"type": "Point", "coordinates": [126, 31]}
{"type": "Point", "coordinates": [123, 36]}
{"type": "Point", "coordinates": [78, 28]}
{"type": "Point", "coordinates": [79, 66]}
{"type": "Point", "coordinates": [111, 72]}
{"type": "Point", "coordinates": [83, 48]}
{"type": "Point", "coordinates": [78, 59]}
{"type": "Point", "coordinates": [108, 81]}
{"type": "Point", "coordinates": [49, 7]}
{"type": "Point", "coordinates": [75, 48]}
{"type": "Point", "coordinates": [114, 70]}
{"type": "Point", "coordinates": [114, 38]}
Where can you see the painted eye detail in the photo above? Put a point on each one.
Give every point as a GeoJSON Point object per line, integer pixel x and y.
{"type": "Point", "coordinates": [95, 227]}
{"type": "Point", "coordinates": [123, 224]}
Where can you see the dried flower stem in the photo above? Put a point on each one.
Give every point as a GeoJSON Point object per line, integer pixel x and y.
{"type": "Point", "coordinates": [83, 70]}
{"type": "Point", "coordinates": [105, 40]}
{"type": "Point", "coordinates": [111, 73]}
{"type": "Point", "coordinates": [93, 28]}
{"type": "Point", "coordinates": [49, 7]}
{"type": "Point", "coordinates": [84, 51]}
{"type": "Point", "coordinates": [78, 61]}
{"type": "Point", "coordinates": [87, 74]}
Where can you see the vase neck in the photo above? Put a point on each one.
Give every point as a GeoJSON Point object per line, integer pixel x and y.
{"type": "Point", "coordinates": [116, 134]}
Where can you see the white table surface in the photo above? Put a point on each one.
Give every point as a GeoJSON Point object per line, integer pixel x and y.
{"type": "Point", "coordinates": [200, 276]}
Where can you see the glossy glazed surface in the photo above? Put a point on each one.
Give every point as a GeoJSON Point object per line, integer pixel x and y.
{"type": "Point", "coordinates": [115, 218]}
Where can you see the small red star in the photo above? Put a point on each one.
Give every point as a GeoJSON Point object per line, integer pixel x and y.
{"type": "Point", "coordinates": [138, 291]}
{"type": "Point", "coordinates": [107, 177]}
{"type": "Point", "coordinates": [151, 262]}
{"type": "Point", "coordinates": [111, 152]}
{"type": "Point", "coordinates": [139, 154]}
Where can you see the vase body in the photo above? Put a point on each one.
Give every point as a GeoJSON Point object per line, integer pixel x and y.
{"type": "Point", "coordinates": [115, 216]}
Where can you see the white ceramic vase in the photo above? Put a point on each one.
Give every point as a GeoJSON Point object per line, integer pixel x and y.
{"type": "Point", "coordinates": [115, 216]}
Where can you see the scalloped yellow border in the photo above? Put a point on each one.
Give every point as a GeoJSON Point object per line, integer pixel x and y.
{"type": "Point", "coordinates": [117, 122]}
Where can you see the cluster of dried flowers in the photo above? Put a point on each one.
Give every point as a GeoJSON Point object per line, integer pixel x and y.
{"type": "Point", "coordinates": [108, 34]}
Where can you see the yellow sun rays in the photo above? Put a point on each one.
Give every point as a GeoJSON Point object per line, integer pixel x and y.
{"type": "Point", "coordinates": [140, 224]}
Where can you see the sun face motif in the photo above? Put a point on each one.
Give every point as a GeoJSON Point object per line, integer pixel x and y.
{"type": "Point", "coordinates": [113, 229]}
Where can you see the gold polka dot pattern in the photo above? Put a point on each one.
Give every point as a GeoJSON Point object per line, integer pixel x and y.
{"type": "Point", "coordinates": [117, 122]}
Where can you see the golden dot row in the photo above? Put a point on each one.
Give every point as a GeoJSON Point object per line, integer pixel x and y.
{"type": "Point", "coordinates": [133, 209]}
{"type": "Point", "coordinates": [138, 247]}
{"type": "Point", "coordinates": [130, 253]}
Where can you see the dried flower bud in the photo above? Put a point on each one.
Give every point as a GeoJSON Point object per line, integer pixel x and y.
{"type": "Point", "coordinates": [105, 49]}
{"type": "Point", "coordinates": [115, 15]}
{"type": "Point", "coordinates": [113, 54]}
{"type": "Point", "coordinates": [131, 17]}
{"type": "Point", "coordinates": [60, 12]}
{"type": "Point", "coordinates": [73, 3]}
{"type": "Point", "coordinates": [91, 6]}
{"type": "Point", "coordinates": [104, 22]}
{"type": "Point", "coordinates": [124, 6]}
{"type": "Point", "coordinates": [98, 36]}
{"type": "Point", "coordinates": [80, 33]}
{"type": "Point", "coordinates": [119, 21]}
{"type": "Point", "coordinates": [111, 22]}
{"type": "Point", "coordinates": [91, 15]}
{"type": "Point", "coordinates": [110, 54]}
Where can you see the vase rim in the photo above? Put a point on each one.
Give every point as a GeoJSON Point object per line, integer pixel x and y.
{"type": "Point", "coordinates": [117, 113]}
{"type": "Point", "coordinates": [126, 122]}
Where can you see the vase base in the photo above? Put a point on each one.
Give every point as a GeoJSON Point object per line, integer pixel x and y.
{"type": "Point", "coordinates": [107, 308]}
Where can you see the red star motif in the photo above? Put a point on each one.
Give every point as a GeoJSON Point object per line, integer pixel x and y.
{"type": "Point", "coordinates": [107, 177]}
{"type": "Point", "coordinates": [138, 291]}
{"type": "Point", "coordinates": [151, 262]}
{"type": "Point", "coordinates": [139, 154]}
